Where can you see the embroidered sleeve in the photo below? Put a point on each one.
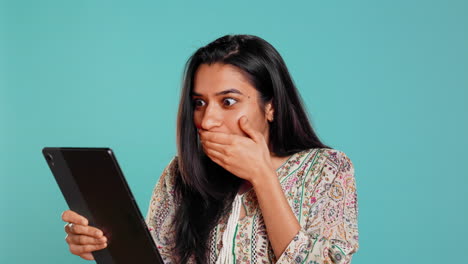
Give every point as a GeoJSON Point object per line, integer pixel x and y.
{"type": "Point", "coordinates": [161, 213]}
{"type": "Point", "coordinates": [329, 231]}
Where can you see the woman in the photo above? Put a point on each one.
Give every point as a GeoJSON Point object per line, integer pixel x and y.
{"type": "Point", "coordinates": [251, 183]}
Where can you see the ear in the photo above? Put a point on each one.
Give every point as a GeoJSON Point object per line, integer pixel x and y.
{"type": "Point", "coordinates": [269, 111]}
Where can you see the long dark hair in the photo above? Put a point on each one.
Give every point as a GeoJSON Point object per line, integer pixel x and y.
{"type": "Point", "coordinates": [205, 190]}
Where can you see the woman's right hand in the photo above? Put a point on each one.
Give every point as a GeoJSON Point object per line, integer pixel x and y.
{"type": "Point", "coordinates": [82, 239]}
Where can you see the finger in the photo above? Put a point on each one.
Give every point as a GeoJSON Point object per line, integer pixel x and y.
{"type": "Point", "coordinates": [217, 137]}
{"type": "Point", "coordinates": [87, 256]}
{"type": "Point", "coordinates": [216, 157]}
{"type": "Point", "coordinates": [215, 146]}
{"type": "Point", "coordinates": [84, 230]}
{"type": "Point", "coordinates": [68, 228]}
{"type": "Point", "coordinates": [73, 217]}
{"type": "Point", "coordinates": [85, 240]}
{"type": "Point", "coordinates": [83, 249]}
{"type": "Point", "coordinates": [245, 126]}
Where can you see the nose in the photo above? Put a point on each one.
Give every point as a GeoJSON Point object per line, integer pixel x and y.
{"type": "Point", "coordinates": [211, 118]}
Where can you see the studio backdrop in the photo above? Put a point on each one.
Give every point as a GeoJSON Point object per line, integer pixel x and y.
{"type": "Point", "coordinates": [384, 81]}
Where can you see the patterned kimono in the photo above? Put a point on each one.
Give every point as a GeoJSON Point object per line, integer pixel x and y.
{"type": "Point", "coordinates": [320, 187]}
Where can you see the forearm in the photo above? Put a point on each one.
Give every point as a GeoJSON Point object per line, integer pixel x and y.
{"type": "Point", "coordinates": [280, 221]}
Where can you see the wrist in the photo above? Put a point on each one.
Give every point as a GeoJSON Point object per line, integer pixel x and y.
{"type": "Point", "coordinates": [264, 178]}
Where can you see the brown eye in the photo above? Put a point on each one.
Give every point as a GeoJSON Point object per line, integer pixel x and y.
{"type": "Point", "coordinates": [198, 102]}
{"type": "Point", "coordinates": [229, 101]}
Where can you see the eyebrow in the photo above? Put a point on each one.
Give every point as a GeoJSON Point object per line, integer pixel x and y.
{"type": "Point", "coordinates": [228, 91]}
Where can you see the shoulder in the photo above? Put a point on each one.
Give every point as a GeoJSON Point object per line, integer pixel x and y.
{"type": "Point", "coordinates": [173, 166]}
{"type": "Point", "coordinates": [330, 174]}
{"type": "Point", "coordinates": [338, 156]}
{"type": "Point", "coordinates": [167, 178]}
{"type": "Point", "coordinates": [333, 157]}
{"type": "Point", "coordinates": [337, 171]}
{"type": "Point", "coordinates": [324, 162]}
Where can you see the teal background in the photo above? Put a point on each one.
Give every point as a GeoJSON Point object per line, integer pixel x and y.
{"type": "Point", "coordinates": [385, 82]}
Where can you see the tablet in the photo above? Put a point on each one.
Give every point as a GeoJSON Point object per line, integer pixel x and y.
{"type": "Point", "coordinates": [94, 186]}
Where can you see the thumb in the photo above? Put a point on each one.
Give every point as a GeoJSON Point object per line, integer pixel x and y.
{"type": "Point", "coordinates": [245, 126]}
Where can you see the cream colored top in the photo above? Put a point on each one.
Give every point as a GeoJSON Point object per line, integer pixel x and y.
{"type": "Point", "coordinates": [320, 187]}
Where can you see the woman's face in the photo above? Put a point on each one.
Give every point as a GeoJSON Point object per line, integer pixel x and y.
{"type": "Point", "coordinates": [222, 95]}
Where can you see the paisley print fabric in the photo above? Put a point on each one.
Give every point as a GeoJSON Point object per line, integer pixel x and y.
{"type": "Point", "coordinates": [320, 187]}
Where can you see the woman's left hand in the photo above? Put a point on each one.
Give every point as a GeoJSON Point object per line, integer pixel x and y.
{"type": "Point", "coordinates": [246, 157]}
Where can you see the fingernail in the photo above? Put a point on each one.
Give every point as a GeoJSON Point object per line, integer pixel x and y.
{"type": "Point", "coordinates": [98, 233]}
